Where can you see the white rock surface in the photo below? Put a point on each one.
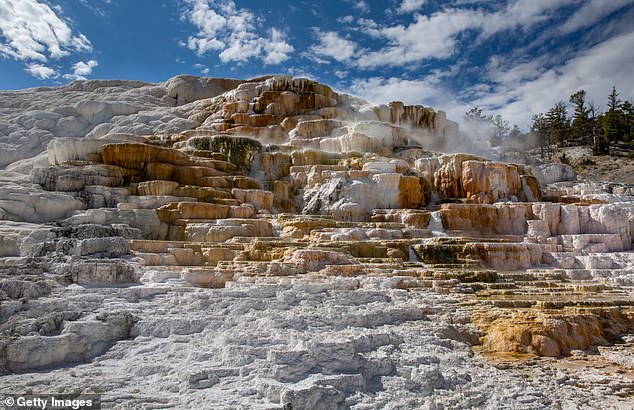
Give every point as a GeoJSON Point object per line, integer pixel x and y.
{"type": "Point", "coordinates": [308, 343]}
{"type": "Point", "coordinates": [30, 118]}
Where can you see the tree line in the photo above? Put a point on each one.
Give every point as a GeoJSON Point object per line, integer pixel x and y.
{"type": "Point", "coordinates": [586, 125]}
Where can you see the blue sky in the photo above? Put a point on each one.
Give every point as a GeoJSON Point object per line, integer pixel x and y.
{"type": "Point", "coordinates": [514, 57]}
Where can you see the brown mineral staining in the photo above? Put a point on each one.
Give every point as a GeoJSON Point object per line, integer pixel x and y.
{"type": "Point", "coordinates": [552, 333]}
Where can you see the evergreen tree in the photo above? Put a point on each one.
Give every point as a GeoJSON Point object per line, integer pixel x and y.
{"type": "Point", "coordinates": [515, 132]}
{"type": "Point", "coordinates": [500, 130]}
{"type": "Point", "coordinates": [541, 129]}
{"type": "Point", "coordinates": [628, 119]}
{"type": "Point", "coordinates": [613, 100]}
{"type": "Point", "coordinates": [475, 115]}
{"type": "Point", "coordinates": [558, 124]}
{"type": "Point", "coordinates": [581, 126]}
{"type": "Point", "coordinates": [599, 145]}
{"type": "Point", "coordinates": [613, 127]}
{"type": "Point", "coordinates": [476, 121]}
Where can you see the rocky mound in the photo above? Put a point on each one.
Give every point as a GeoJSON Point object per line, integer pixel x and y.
{"type": "Point", "coordinates": [274, 244]}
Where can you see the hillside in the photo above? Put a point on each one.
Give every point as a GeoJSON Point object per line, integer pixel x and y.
{"type": "Point", "coordinates": [271, 243]}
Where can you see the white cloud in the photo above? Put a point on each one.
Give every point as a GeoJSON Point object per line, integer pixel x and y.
{"type": "Point", "coordinates": [233, 33]}
{"type": "Point", "coordinates": [31, 30]}
{"type": "Point", "coordinates": [345, 19]}
{"type": "Point", "coordinates": [202, 68]}
{"type": "Point", "coordinates": [517, 90]}
{"type": "Point", "coordinates": [517, 73]}
{"type": "Point", "coordinates": [426, 38]}
{"type": "Point", "coordinates": [517, 93]}
{"type": "Point", "coordinates": [96, 6]}
{"type": "Point", "coordinates": [436, 36]}
{"type": "Point", "coordinates": [382, 90]}
{"type": "Point", "coordinates": [276, 50]}
{"type": "Point", "coordinates": [521, 13]}
{"type": "Point", "coordinates": [408, 6]}
{"type": "Point", "coordinates": [40, 71]}
{"type": "Point", "coordinates": [81, 70]}
{"type": "Point", "coordinates": [362, 6]}
{"type": "Point", "coordinates": [303, 72]}
{"type": "Point", "coordinates": [591, 12]}
{"type": "Point", "coordinates": [331, 45]}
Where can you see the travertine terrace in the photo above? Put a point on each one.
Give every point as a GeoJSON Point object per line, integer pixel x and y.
{"type": "Point", "coordinates": [214, 243]}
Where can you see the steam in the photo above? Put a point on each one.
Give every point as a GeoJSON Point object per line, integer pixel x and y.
{"type": "Point", "coordinates": [452, 141]}
{"type": "Point", "coordinates": [454, 138]}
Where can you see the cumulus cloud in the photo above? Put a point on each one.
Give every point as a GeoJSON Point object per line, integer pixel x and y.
{"type": "Point", "coordinates": [41, 71]}
{"type": "Point", "coordinates": [408, 6]}
{"type": "Point", "coordinates": [362, 6]}
{"type": "Point", "coordinates": [202, 68]}
{"type": "Point", "coordinates": [81, 70]}
{"type": "Point", "coordinates": [276, 50]}
{"type": "Point", "coordinates": [345, 19]}
{"type": "Point", "coordinates": [331, 45]}
{"type": "Point", "coordinates": [233, 33]}
{"type": "Point", "coordinates": [31, 30]}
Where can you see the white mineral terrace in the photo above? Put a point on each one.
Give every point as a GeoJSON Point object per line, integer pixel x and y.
{"type": "Point", "coordinates": [272, 244]}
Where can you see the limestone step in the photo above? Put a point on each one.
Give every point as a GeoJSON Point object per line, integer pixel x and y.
{"type": "Point", "coordinates": [151, 201]}
{"type": "Point", "coordinates": [555, 303]}
{"type": "Point", "coordinates": [157, 246]}
{"type": "Point", "coordinates": [594, 242]}
{"type": "Point", "coordinates": [531, 275]}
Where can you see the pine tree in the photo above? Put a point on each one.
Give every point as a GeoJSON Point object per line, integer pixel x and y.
{"type": "Point", "coordinates": [515, 132]}
{"type": "Point", "coordinates": [613, 100]}
{"type": "Point", "coordinates": [500, 130]}
{"type": "Point", "coordinates": [628, 119]}
{"type": "Point", "coordinates": [610, 128]}
{"type": "Point", "coordinates": [613, 129]}
{"type": "Point", "coordinates": [558, 123]}
{"type": "Point", "coordinates": [540, 128]}
{"type": "Point", "coordinates": [580, 129]}
{"type": "Point", "coordinates": [476, 121]}
{"type": "Point", "coordinates": [599, 146]}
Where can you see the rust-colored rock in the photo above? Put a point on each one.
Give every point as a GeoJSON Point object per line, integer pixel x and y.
{"type": "Point", "coordinates": [137, 156]}
{"type": "Point", "coordinates": [551, 333]}
{"type": "Point", "coordinates": [411, 194]}
{"type": "Point", "coordinates": [191, 210]}
{"type": "Point", "coordinates": [488, 182]}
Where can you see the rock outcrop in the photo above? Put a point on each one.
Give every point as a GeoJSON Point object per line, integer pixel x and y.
{"type": "Point", "coordinates": [300, 248]}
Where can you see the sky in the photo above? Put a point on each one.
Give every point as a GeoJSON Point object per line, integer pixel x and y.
{"type": "Point", "coordinates": [509, 57]}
